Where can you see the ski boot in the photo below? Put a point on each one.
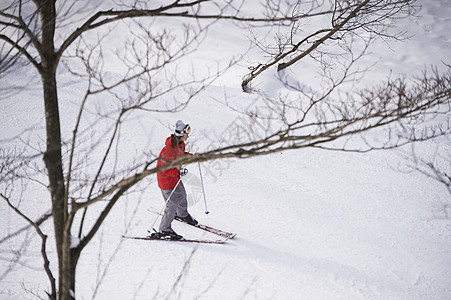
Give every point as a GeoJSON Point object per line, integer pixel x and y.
{"type": "Point", "coordinates": [170, 235]}
{"type": "Point", "coordinates": [188, 219]}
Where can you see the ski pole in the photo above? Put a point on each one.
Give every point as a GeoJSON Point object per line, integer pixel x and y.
{"type": "Point", "coordinates": [203, 190]}
{"type": "Point", "coordinates": [165, 202]}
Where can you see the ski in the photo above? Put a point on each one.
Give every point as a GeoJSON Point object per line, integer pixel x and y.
{"type": "Point", "coordinates": [222, 233]}
{"type": "Point", "coordinates": [148, 238]}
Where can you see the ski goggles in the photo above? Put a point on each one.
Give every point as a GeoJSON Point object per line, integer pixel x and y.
{"type": "Point", "coordinates": [185, 130]}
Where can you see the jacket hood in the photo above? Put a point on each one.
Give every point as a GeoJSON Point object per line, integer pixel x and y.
{"type": "Point", "coordinates": [168, 143]}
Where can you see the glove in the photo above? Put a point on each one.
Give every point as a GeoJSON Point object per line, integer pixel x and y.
{"type": "Point", "coordinates": [183, 171]}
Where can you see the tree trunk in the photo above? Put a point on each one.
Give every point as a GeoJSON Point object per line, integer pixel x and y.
{"type": "Point", "coordinates": [53, 156]}
{"type": "Point", "coordinates": [53, 162]}
{"type": "Point", "coordinates": [74, 256]}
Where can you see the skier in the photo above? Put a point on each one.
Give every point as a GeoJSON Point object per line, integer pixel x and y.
{"type": "Point", "coordinates": [170, 184]}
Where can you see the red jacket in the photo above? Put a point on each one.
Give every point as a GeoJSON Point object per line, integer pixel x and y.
{"type": "Point", "coordinates": [167, 180]}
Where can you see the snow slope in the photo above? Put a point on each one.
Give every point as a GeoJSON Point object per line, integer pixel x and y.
{"type": "Point", "coordinates": [311, 224]}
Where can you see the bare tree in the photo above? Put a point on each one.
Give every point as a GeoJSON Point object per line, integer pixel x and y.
{"type": "Point", "coordinates": [48, 35]}
{"type": "Point", "coordinates": [42, 33]}
{"type": "Point", "coordinates": [336, 26]}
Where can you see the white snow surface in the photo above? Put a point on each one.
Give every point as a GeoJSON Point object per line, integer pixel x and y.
{"type": "Point", "coordinates": [310, 224]}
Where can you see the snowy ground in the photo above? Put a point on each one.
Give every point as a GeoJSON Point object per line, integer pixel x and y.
{"type": "Point", "coordinates": [310, 224]}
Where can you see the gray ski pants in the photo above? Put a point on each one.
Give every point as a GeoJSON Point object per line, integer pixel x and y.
{"type": "Point", "coordinates": [177, 204]}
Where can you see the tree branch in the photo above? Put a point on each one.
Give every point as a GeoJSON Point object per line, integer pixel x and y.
{"type": "Point", "coordinates": [43, 245]}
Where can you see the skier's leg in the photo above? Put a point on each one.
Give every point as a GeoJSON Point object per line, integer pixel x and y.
{"type": "Point", "coordinates": [182, 208]}
{"type": "Point", "coordinates": [177, 197]}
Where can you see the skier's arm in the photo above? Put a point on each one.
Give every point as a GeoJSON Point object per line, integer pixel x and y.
{"type": "Point", "coordinates": [173, 172]}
